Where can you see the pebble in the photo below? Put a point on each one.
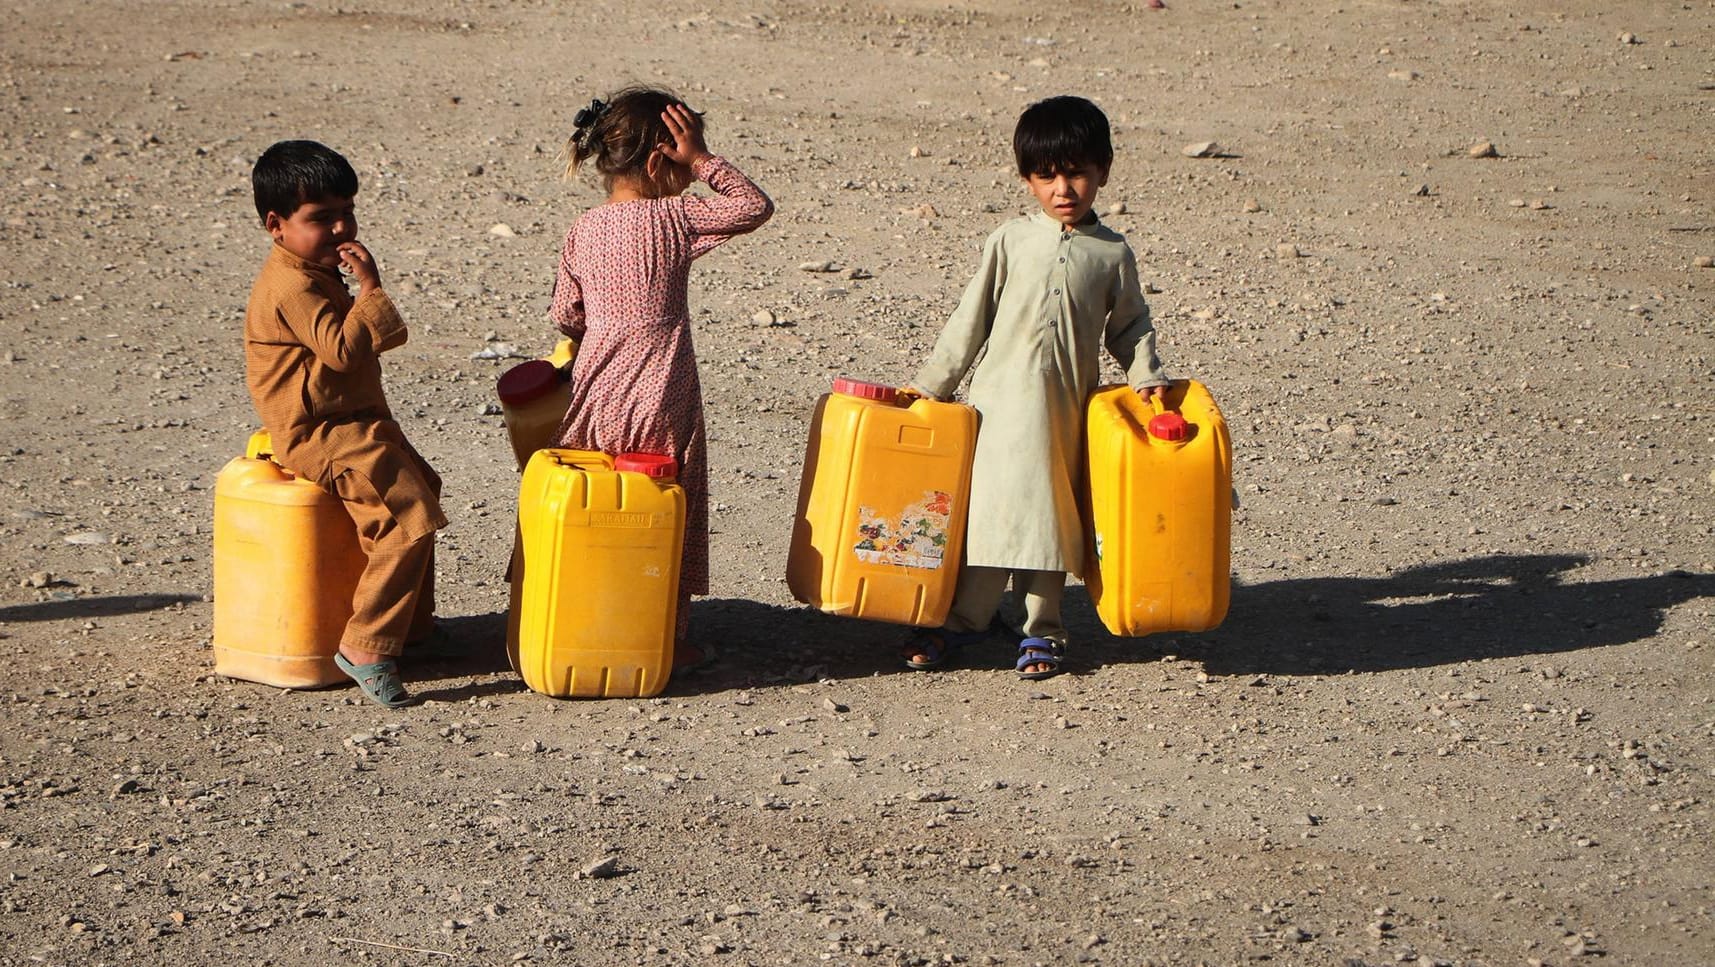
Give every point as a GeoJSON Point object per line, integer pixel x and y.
{"type": "Point", "coordinates": [1483, 149]}
{"type": "Point", "coordinates": [917, 152]}
{"type": "Point", "coordinates": [924, 211]}
{"type": "Point", "coordinates": [1287, 250]}
{"type": "Point", "coordinates": [1421, 191]}
{"type": "Point", "coordinates": [825, 265]}
{"type": "Point", "coordinates": [604, 868]}
{"type": "Point", "coordinates": [473, 170]}
{"type": "Point", "coordinates": [1117, 208]}
{"type": "Point", "coordinates": [1252, 206]}
{"type": "Point", "coordinates": [834, 706]}
{"type": "Point", "coordinates": [502, 229]}
{"type": "Point", "coordinates": [762, 317]}
{"type": "Point", "coordinates": [39, 579]}
{"type": "Point", "coordinates": [1629, 38]}
{"type": "Point", "coordinates": [1201, 149]}
{"type": "Point", "coordinates": [1704, 261]}
{"type": "Point", "coordinates": [1402, 75]}
{"type": "Point", "coordinates": [87, 537]}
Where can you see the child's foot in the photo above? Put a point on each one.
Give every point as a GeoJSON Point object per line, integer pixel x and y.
{"type": "Point", "coordinates": [930, 648]}
{"type": "Point", "coordinates": [377, 675]}
{"type": "Point", "coordinates": [689, 658]}
{"type": "Point", "coordinates": [1039, 658]}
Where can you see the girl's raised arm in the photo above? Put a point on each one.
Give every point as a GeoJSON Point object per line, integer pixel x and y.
{"type": "Point", "coordinates": [737, 207]}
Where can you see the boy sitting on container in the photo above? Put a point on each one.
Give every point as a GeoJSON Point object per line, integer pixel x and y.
{"type": "Point", "coordinates": [1053, 288]}
{"type": "Point", "coordinates": [311, 355]}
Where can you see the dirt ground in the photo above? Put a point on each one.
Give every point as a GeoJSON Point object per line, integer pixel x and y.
{"type": "Point", "coordinates": [1460, 712]}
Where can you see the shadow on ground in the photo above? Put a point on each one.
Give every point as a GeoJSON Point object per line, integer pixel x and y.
{"type": "Point", "coordinates": [1437, 614]}
{"type": "Point", "coordinates": [1503, 606]}
{"type": "Point", "coordinates": [64, 608]}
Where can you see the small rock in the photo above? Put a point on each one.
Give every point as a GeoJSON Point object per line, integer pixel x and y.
{"type": "Point", "coordinates": [762, 317]}
{"type": "Point", "coordinates": [1516, 203]}
{"type": "Point", "coordinates": [1287, 250]}
{"type": "Point", "coordinates": [1421, 191]}
{"type": "Point", "coordinates": [502, 230]}
{"type": "Point", "coordinates": [1629, 38]}
{"type": "Point", "coordinates": [1483, 149]}
{"type": "Point", "coordinates": [87, 537]}
{"type": "Point", "coordinates": [473, 170]}
{"type": "Point", "coordinates": [834, 706]}
{"type": "Point", "coordinates": [826, 265]}
{"type": "Point", "coordinates": [917, 152]}
{"type": "Point", "coordinates": [1402, 75]}
{"type": "Point", "coordinates": [924, 211]}
{"type": "Point", "coordinates": [859, 273]}
{"type": "Point", "coordinates": [39, 579]}
{"type": "Point", "coordinates": [1252, 206]}
{"type": "Point", "coordinates": [1704, 261]}
{"type": "Point", "coordinates": [1539, 205]}
{"type": "Point", "coordinates": [1201, 149]}
{"type": "Point", "coordinates": [1117, 208]}
{"type": "Point", "coordinates": [604, 868]}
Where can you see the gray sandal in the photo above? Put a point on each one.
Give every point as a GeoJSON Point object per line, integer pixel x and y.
{"type": "Point", "coordinates": [378, 680]}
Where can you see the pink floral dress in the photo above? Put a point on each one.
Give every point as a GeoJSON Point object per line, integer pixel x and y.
{"type": "Point", "coordinates": [621, 292]}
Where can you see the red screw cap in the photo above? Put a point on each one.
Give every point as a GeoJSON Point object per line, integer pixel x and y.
{"type": "Point", "coordinates": [1169, 426]}
{"type": "Point", "coordinates": [527, 381]}
{"type": "Point", "coordinates": [648, 464]}
{"type": "Point", "coordinates": [879, 392]}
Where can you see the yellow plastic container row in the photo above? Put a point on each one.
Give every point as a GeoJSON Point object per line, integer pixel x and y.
{"type": "Point", "coordinates": [1160, 509]}
{"type": "Point", "coordinates": [286, 562]}
{"type": "Point", "coordinates": [880, 524]}
{"type": "Point", "coordinates": [595, 577]}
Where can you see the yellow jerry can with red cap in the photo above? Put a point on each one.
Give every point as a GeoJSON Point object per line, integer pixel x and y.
{"type": "Point", "coordinates": [534, 397]}
{"type": "Point", "coordinates": [595, 574]}
{"type": "Point", "coordinates": [286, 563]}
{"type": "Point", "coordinates": [882, 503]}
{"type": "Point", "coordinates": [1160, 491]}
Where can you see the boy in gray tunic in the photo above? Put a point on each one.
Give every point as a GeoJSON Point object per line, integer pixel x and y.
{"type": "Point", "coordinates": [1052, 289]}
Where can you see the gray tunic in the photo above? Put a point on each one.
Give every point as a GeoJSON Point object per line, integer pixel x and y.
{"type": "Point", "coordinates": [1043, 302]}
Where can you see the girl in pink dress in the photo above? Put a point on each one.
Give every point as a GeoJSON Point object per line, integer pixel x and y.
{"type": "Point", "coordinates": [621, 292]}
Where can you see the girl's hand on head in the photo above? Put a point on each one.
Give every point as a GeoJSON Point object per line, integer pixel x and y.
{"type": "Point", "coordinates": [354, 258]}
{"type": "Point", "coordinates": [686, 128]}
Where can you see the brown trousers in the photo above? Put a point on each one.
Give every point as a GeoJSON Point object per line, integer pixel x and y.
{"type": "Point", "coordinates": [395, 597]}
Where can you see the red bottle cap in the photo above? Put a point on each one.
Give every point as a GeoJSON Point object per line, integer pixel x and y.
{"type": "Point", "coordinates": [1169, 426]}
{"type": "Point", "coordinates": [879, 392]}
{"type": "Point", "coordinates": [527, 381]}
{"type": "Point", "coordinates": [648, 464]}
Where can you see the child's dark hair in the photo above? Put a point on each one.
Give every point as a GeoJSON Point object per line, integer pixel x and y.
{"type": "Point", "coordinates": [290, 173]}
{"type": "Point", "coordinates": [620, 132]}
{"type": "Point", "coordinates": [1059, 134]}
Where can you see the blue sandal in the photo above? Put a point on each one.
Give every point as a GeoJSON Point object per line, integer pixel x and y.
{"type": "Point", "coordinates": [937, 646]}
{"type": "Point", "coordinates": [1039, 651]}
{"type": "Point", "coordinates": [378, 680]}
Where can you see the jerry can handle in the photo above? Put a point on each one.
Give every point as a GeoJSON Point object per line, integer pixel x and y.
{"type": "Point", "coordinates": [1167, 425]}
{"type": "Point", "coordinates": [260, 446]}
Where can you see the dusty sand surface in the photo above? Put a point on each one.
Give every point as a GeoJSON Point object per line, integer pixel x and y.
{"type": "Point", "coordinates": [1460, 712]}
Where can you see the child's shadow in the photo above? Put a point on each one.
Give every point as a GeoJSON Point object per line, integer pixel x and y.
{"type": "Point", "coordinates": [1501, 606]}
{"type": "Point", "coordinates": [753, 645]}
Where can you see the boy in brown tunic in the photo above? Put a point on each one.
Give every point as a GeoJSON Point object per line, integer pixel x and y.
{"type": "Point", "coordinates": [312, 363]}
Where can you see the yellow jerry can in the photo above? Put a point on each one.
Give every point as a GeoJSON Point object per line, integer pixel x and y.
{"type": "Point", "coordinates": [1161, 509]}
{"type": "Point", "coordinates": [286, 562]}
{"type": "Point", "coordinates": [882, 501]}
{"type": "Point", "coordinates": [595, 577]}
{"type": "Point", "coordinates": [534, 397]}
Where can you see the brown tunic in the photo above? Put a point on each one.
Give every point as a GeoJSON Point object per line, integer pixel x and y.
{"type": "Point", "coordinates": [312, 363]}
